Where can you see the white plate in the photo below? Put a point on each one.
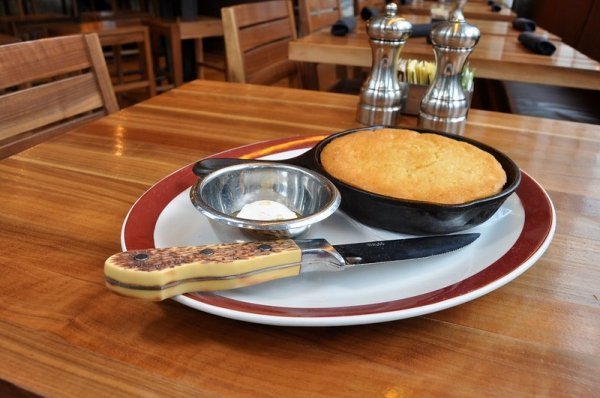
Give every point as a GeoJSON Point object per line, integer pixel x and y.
{"type": "Point", "coordinates": [510, 242]}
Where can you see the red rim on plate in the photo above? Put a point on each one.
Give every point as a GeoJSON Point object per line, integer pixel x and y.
{"type": "Point", "coordinates": [138, 233]}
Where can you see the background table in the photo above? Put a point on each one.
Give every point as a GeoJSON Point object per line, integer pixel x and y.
{"type": "Point", "coordinates": [495, 57]}
{"type": "Point", "coordinates": [485, 26]}
{"type": "Point", "coordinates": [472, 10]}
{"type": "Point", "coordinates": [176, 30]}
{"type": "Point", "coordinates": [63, 333]}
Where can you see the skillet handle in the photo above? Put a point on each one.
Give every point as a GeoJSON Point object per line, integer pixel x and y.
{"type": "Point", "coordinates": [206, 166]}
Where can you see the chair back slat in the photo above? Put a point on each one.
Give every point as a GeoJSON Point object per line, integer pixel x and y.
{"type": "Point", "coordinates": [34, 60]}
{"type": "Point", "coordinates": [257, 36]}
{"type": "Point", "coordinates": [48, 85]}
{"type": "Point", "coordinates": [263, 34]}
{"type": "Point", "coordinates": [78, 95]}
{"type": "Point", "coordinates": [259, 13]}
{"type": "Point", "coordinates": [268, 64]}
{"type": "Point", "coordinates": [324, 4]}
{"type": "Point", "coordinates": [318, 14]}
{"type": "Point", "coordinates": [319, 21]}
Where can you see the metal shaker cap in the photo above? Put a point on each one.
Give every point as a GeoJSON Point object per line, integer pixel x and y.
{"type": "Point", "coordinates": [455, 34]}
{"type": "Point", "coordinates": [389, 26]}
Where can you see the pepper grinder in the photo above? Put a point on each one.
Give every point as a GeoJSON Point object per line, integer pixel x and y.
{"type": "Point", "coordinates": [457, 12]}
{"type": "Point", "coordinates": [445, 105]}
{"type": "Point", "coordinates": [383, 96]}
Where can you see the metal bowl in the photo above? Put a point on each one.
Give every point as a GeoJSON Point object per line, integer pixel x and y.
{"type": "Point", "coordinates": [221, 195]}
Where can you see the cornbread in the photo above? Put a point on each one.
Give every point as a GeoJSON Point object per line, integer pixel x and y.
{"type": "Point", "coordinates": [405, 164]}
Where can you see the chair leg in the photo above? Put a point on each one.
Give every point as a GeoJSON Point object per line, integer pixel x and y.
{"type": "Point", "coordinates": [118, 64]}
{"type": "Point", "coordinates": [310, 76]}
{"type": "Point", "coordinates": [176, 59]}
{"type": "Point", "coordinates": [146, 53]}
{"type": "Point", "coordinates": [200, 58]}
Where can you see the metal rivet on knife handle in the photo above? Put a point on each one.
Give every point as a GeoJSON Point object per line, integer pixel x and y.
{"type": "Point", "coordinates": [207, 252]}
{"type": "Point", "coordinates": [141, 257]}
{"type": "Point", "coordinates": [265, 248]}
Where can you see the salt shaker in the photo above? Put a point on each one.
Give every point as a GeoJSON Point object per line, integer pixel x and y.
{"type": "Point", "coordinates": [445, 105]}
{"type": "Point", "coordinates": [383, 96]}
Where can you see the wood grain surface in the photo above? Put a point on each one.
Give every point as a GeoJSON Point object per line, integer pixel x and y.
{"type": "Point", "coordinates": [472, 10]}
{"type": "Point", "coordinates": [485, 26]}
{"type": "Point", "coordinates": [496, 56]}
{"type": "Point", "coordinates": [62, 333]}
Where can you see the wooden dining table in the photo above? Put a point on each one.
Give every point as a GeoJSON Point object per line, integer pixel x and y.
{"type": "Point", "coordinates": [65, 202]}
{"type": "Point", "coordinates": [500, 57]}
{"type": "Point", "coordinates": [174, 31]}
{"type": "Point", "coordinates": [485, 26]}
{"type": "Point", "coordinates": [478, 10]}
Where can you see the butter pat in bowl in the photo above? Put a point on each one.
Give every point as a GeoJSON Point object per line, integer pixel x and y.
{"type": "Point", "coordinates": [265, 200]}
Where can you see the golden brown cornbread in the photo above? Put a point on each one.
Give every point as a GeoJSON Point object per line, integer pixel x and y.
{"type": "Point", "coordinates": [405, 164]}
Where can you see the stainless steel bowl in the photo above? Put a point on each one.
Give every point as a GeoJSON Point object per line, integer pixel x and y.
{"type": "Point", "coordinates": [222, 194]}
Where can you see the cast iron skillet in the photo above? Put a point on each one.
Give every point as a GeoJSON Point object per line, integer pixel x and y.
{"type": "Point", "coordinates": [398, 215]}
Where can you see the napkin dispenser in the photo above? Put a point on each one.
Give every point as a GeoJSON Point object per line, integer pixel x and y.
{"type": "Point", "coordinates": [383, 96]}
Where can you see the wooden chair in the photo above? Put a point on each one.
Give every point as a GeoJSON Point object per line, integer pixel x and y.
{"type": "Point", "coordinates": [129, 55]}
{"type": "Point", "coordinates": [322, 14]}
{"type": "Point", "coordinates": [50, 86]}
{"type": "Point", "coordinates": [318, 14]}
{"type": "Point", "coordinates": [256, 42]}
{"type": "Point", "coordinates": [31, 26]}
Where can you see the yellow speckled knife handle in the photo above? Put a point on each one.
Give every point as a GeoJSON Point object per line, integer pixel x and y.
{"type": "Point", "coordinates": [157, 274]}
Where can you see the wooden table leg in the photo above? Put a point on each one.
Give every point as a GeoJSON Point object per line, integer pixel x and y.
{"type": "Point", "coordinates": [176, 58]}
{"type": "Point", "coordinates": [200, 58]}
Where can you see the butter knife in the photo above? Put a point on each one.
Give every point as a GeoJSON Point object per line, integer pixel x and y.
{"type": "Point", "coordinates": [160, 273]}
